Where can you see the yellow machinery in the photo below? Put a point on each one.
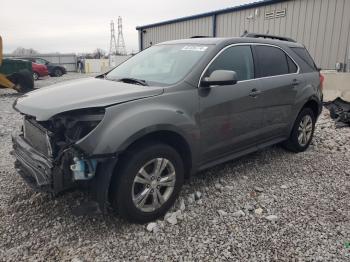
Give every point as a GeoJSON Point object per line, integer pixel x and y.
{"type": "Point", "coordinates": [4, 82]}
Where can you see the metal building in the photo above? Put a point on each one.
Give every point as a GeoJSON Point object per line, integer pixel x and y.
{"type": "Point", "coordinates": [323, 26]}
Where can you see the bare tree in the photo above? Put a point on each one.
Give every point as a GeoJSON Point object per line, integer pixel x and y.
{"type": "Point", "coordinates": [99, 53]}
{"type": "Point", "coordinates": [20, 51]}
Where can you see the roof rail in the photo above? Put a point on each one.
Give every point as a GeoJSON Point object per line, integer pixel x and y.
{"type": "Point", "coordinates": [200, 36]}
{"type": "Point", "coordinates": [282, 38]}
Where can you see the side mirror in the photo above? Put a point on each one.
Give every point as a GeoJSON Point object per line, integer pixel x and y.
{"type": "Point", "coordinates": [220, 78]}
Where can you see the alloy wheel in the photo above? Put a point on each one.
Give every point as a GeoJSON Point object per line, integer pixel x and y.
{"type": "Point", "coordinates": [305, 130]}
{"type": "Point", "coordinates": [153, 184]}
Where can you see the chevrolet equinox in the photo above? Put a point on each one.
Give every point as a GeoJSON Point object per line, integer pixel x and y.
{"type": "Point", "coordinates": [133, 135]}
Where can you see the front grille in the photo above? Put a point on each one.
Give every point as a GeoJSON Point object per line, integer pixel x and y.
{"type": "Point", "coordinates": [37, 136]}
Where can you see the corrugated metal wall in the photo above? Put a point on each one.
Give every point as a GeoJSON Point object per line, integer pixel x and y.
{"type": "Point", "coordinates": [185, 29]}
{"type": "Point", "coordinates": [323, 26]}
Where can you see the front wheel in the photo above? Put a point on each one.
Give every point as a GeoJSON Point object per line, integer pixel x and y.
{"type": "Point", "coordinates": [302, 132]}
{"type": "Point", "coordinates": [58, 72]}
{"type": "Point", "coordinates": [147, 183]}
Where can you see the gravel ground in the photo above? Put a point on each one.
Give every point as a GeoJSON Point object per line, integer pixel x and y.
{"type": "Point", "coordinates": [270, 205]}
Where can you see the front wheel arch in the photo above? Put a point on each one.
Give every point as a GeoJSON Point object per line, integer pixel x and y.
{"type": "Point", "coordinates": [107, 169]}
{"type": "Point", "coordinates": [168, 135]}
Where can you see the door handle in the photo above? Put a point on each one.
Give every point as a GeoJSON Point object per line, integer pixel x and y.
{"type": "Point", "coordinates": [255, 92]}
{"type": "Point", "coordinates": [295, 82]}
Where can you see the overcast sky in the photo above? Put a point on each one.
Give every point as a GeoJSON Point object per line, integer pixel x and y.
{"type": "Point", "coordinates": [82, 26]}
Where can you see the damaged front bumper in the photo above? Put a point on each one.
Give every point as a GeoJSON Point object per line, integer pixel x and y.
{"type": "Point", "coordinates": [44, 174]}
{"type": "Point", "coordinates": [50, 164]}
{"type": "Point", "coordinates": [35, 168]}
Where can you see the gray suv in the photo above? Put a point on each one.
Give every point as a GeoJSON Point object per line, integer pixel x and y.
{"type": "Point", "coordinates": [133, 135]}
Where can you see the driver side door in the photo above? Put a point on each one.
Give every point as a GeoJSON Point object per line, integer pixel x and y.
{"type": "Point", "coordinates": [230, 115]}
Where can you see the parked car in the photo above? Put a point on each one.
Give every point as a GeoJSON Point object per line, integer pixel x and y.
{"type": "Point", "coordinates": [134, 134]}
{"type": "Point", "coordinates": [39, 70]}
{"type": "Point", "coordinates": [54, 69]}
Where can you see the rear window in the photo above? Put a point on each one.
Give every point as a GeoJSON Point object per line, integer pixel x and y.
{"type": "Point", "coordinates": [291, 65]}
{"type": "Point", "coordinates": [272, 61]}
{"type": "Point", "coordinates": [305, 56]}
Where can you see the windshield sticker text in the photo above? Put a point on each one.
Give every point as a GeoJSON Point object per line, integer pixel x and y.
{"type": "Point", "coordinates": [194, 48]}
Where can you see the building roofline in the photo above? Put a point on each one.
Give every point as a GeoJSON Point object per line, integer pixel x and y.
{"type": "Point", "coordinates": [217, 12]}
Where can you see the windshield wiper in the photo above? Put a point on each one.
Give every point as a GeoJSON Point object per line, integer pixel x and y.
{"type": "Point", "coordinates": [130, 80]}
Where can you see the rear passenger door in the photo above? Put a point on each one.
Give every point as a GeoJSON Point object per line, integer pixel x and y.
{"type": "Point", "coordinates": [279, 78]}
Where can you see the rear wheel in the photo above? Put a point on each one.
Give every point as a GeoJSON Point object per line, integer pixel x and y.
{"type": "Point", "coordinates": [302, 131]}
{"type": "Point", "coordinates": [148, 182]}
{"type": "Point", "coordinates": [57, 72]}
{"type": "Point", "coordinates": [35, 76]}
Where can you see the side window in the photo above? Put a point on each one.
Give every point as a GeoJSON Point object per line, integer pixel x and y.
{"type": "Point", "coordinates": [235, 58]}
{"type": "Point", "coordinates": [291, 65]}
{"type": "Point", "coordinates": [272, 61]}
{"type": "Point", "coordinates": [304, 54]}
{"type": "Point", "coordinates": [39, 61]}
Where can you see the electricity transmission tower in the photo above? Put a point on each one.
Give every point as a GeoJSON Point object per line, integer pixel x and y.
{"type": "Point", "coordinates": [113, 43]}
{"type": "Point", "coordinates": [120, 44]}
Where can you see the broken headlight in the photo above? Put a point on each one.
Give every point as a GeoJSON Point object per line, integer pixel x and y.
{"type": "Point", "coordinates": [76, 124]}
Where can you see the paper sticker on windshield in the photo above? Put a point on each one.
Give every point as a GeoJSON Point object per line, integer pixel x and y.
{"type": "Point", "coordinates": [194, 48]}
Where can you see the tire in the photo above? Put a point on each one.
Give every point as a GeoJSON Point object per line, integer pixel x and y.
{"type": "Point", "coordinates": [294, 144]}
{"type": "Point", "coordinates": [126, 191]}
{"type": "Point", "coordinates": [23, 80]}
{"type": "Point", "coordinates": [57, 72]}
{"type": "Point", "coordinates": [35, 76]}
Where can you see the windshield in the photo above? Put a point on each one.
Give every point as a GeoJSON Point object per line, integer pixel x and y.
{"type": "Point", "coordinates": [161, 64]}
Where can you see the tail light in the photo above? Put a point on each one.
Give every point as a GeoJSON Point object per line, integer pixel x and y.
{"type": "Point", "coordinates": [321, 81]}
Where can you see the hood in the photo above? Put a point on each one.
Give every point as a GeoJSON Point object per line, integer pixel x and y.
{"type": "Point", "coordinates": [84, 93]}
